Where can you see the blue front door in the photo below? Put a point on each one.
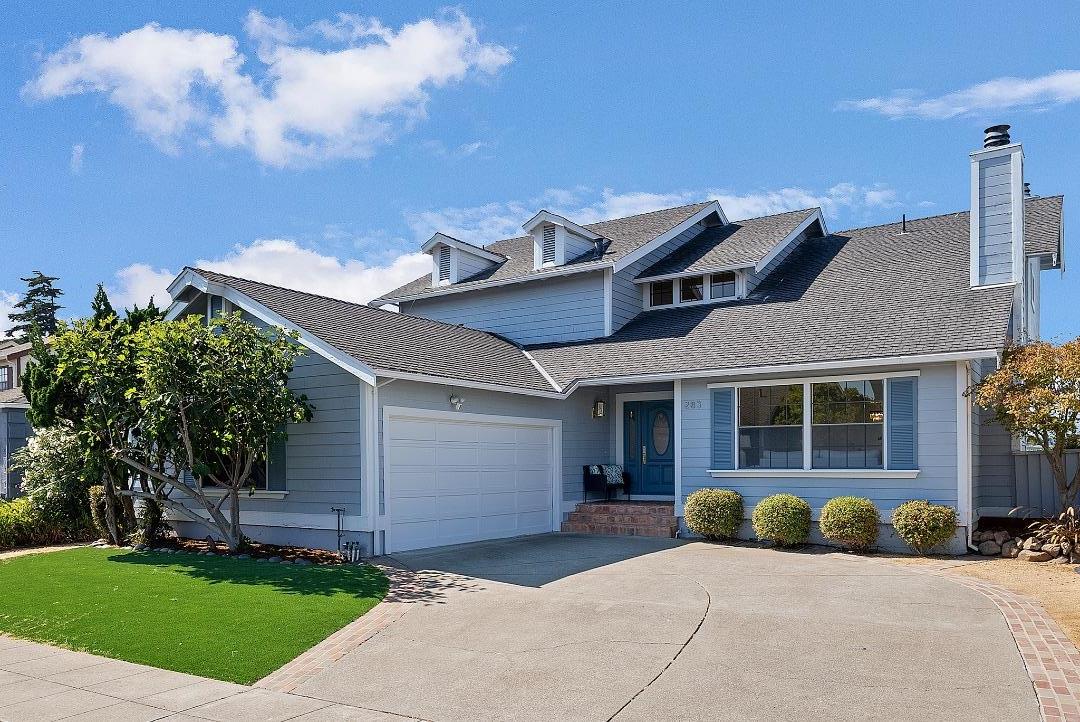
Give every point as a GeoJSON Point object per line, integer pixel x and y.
{"type": "Point", "coordinates": [649, 447]}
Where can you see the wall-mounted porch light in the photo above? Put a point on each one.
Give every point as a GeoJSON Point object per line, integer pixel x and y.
{"type": "Point", "coordinates": [457, 402]}
{"type": "Point", "coordinates": [599, 409]}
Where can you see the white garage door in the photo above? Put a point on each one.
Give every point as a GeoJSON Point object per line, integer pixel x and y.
{"type": "Point", "coordinates": [454, 478]}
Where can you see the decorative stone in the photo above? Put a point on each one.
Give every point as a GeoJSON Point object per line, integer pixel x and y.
{"type": "Point", "coordinates": [1066, 548]}
{"type": "Point", "coordinates": [1032, 544]}
{"type": "Point", "coordinates": [274, 559]}
{"type": "Point", "coordinates": [1009, 549]}
{"type": "Point", "coordinates": [139, 547]}
{"type": "Point", "coordinates": [1029, 555]}
{"type": "Point", "coordinates": [243, 556]}
{"type": "Point", "coordinates": [1054, 551]}
{"type": "Point", "coordinates": [1002, 536]}
{"type": "Point", "coordinates": [1060, 560]}
{"type": "Point", "coordinates": [302, 562]}
{"type": "Point", "coordinates": [990, 548]}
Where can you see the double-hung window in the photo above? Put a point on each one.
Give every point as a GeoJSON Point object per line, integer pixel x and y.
{"type": "Point", "coordinates": [848, 425]}
{"type": "Point", "coordinates": [770, 427]}
{"type": "Point", "coordinates": [5, 378]}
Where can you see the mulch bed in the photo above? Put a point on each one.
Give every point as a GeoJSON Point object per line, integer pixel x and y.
{"type": "Point", "coordinates": [253, 549]}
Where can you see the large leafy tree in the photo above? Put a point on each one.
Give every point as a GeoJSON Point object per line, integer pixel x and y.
{"type": "Point", "coordinates": [37, 308]}
{"type": "Point", "coordinates": [1035, 394]}
{"type": "Point", "coordinates": [212, 398]}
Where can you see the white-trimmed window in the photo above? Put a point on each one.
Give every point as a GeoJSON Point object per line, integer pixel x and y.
{"type": "Point", "coordinates": [5, 378]}
{"type": "Point", "coordinates": [771, 427]}
{"type": "Point", "coordinates": [848, 426]}
{"type": "Point", "coordinates": [692, 290]}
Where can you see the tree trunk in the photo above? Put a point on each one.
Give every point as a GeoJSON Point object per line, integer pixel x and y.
{"type": "Point", "coordinates": [1066, 487]}
{"type": "Point", "coordinates": [234, 521]}
{"type": "Point", "coordinates": [110, 512]}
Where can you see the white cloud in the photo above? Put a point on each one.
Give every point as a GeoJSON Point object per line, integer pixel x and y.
{"type": "Point", "coordinates": [282, 263]}
{"type": "Point", "coordinates": [77, 152]}
{"type": "Point", "coordinates": [495, 221]}
{"type": "Point", "coordinates": [1007, 93]}
{"type": "Point", "coordinates": [307, 102]}
{"type": "Point", "coordinates": [7, 306]}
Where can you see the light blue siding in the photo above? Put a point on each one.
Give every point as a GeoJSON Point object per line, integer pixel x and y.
{"type": "Point", "coordinates": [585, 440]}
{"type": "Point", "coordinates": [903, 400]}
{"type": "Point", "coordinates": [995, 220]}
{"type": "Point", "coordinates": [560, 308]}
{"type": "Point", "coordinates": [14, 431]}
{"type": "Point", "coordinates": [992, 458]}
{"type": "Point", "coordinates": [470, 265]}
{"type": "Point", "coordinates": [626, 296]}
{"type": "Point", "coordinates": [936, 433]}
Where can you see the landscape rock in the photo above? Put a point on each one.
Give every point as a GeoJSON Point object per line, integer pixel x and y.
{"type": "Point", "coordinates": [1054, 550]}
{"type": "Point", "coordinates": [977, 537]}
{"type": "Point", "coordinates": [139, 547]}
{"type": "Point", "coordinates": [1029, 555]}
{"type": "Point", "coordinates": [274, 559]}
{"type": "Point", "coordinates": [1060, 560]}
{"type": "Point", "coordinates": [1032, 544]}
{"type": "Point", "coordinates": [1010, 550]}
{"type": "Point", "coordinates": [243, 556]}
{"type": "Point", "coordinates": [990, 548]}
{"type": "Point", "coordinates": [1002, 536]}
{"type": "Point", "coordinates": [302, 562]}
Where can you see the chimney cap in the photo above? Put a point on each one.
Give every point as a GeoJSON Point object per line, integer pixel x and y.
{"type": "Point", "coordinates": [996, 135]}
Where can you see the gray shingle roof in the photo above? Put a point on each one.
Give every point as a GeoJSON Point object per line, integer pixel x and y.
{"type": "Point", "coordinates": [864, 293]}
{"type": "Point", "coordinates": [12, 396]}
{"type": "Point", "coordinates": [1042, 225]}
{"type": "Point", "coordinates": [738, 244]}
{"type": "Point", "coordinates": [621, 235]}
{"type": "Point", "coordinates": [393, 341]}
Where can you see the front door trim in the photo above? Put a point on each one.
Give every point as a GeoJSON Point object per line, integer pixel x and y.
{"type": "Point", "coordinates": [620, 441]}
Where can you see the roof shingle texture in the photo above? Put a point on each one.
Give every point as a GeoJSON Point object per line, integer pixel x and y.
{"type": "Point", "coordinates": [1042, 225]}
{"type": "Point", "coordinates": [864, 293]}
{"type": "Point", "coordinates": [621, 236]}
{"type": "Point", "coordinates": [736, 245]}
{"type": "Point", "coordinates": [394, 341]}
{"type": "Point", "coordinates": [12, 396]}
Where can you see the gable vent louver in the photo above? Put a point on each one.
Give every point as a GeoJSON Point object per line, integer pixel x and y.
{"type": "Point", "coordinates": [547, 256]}
{"type": "Point", "coordinates": [444, 263]}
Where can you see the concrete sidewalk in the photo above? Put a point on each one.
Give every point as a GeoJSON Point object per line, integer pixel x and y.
{"type": "Point", "coordinates": [40, 683]}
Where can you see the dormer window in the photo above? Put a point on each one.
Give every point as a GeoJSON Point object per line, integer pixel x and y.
{"type": "Point", "coordinates": [558, 241]}
{"type": "Point", "coordinates": [694, 290]}
{"type": "Point", "coordinates": [454, 261]}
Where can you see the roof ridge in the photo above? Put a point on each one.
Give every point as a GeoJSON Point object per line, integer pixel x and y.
{"type": "Point", "coordinates": [1031, 199]}
{"type": "Point", "coordinates": [364, 306]}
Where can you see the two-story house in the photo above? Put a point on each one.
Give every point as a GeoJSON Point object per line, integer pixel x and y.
{"type": "Point", "coordinates": [762, 355]}
{"type": "Point", "coordinates": [13, 427]}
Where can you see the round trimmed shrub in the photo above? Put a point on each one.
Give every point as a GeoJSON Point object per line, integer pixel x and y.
{"type": "Point", "coordinates": [923, 525]}
{"type": "Point", "coordinates": [714, 513]}
{"type": "Point", "coordinates": [850, 521]}
{"type": "Point", "coordinates": [783, 519]}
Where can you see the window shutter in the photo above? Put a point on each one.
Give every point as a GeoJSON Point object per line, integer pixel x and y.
{"type": "Point", "coordinates": [901, 419]}
{"type": "Point", "coordinates": [444, 263]}
{"type": "Point", "coordinates": [723, 428]}
{"type": "Point", "coordinates": [275, 465]}
{"type": "Point", "coordinates": [547, 254]}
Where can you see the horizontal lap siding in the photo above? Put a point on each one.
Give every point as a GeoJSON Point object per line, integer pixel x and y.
{"type": "Point", "coordinates": [937, 454]}
{"type": "Point", "coordinates": [626, 296]}
{"type": "Point", "coordinates": [15, 430]}
{"type": "Point", "coordinates": [995, 221]}
{"type": "Point", "coordinates": [585, 440]}
{"type": "Point", "coordinates": [992, 456]}
{"type": "Point", "coordinates": [560, 308]}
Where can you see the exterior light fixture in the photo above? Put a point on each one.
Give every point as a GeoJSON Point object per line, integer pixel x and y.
{"type": "Point", "coordinates": [599, 409]}
{"type": "Point", "coordinates": [457, 402]}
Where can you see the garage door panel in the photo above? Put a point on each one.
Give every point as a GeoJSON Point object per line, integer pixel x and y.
{"type": "Point", "coordinates": [450, 455]}
{"type": "Point", "coordinates": [413, 429]}
{"type": "Point", "coordinates": [452, 481]}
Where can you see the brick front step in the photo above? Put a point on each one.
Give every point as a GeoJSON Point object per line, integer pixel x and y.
{"type": "Point", "coordinates": [653, 519]}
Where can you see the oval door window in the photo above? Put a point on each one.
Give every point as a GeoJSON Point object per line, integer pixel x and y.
{"type": "Point", "coordinates": [661, 433]}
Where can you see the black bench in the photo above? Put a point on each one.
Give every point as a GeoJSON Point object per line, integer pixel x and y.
{"type": "Point", "coordinates": [599, 482]}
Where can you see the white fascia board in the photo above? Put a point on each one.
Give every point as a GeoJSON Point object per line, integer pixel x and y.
{"type": "Point", "coordinates": [687, 274]}
{"type": "Point", "coordinates": [540, 274]}
{"type": "Point", "coordinates": [543, 372]}
{"type": "Point", "coordinates": [14, 405]}
{"type": "Point", "coordinates": [789, 368]}
{"type": "Point", "coordinates": [637, 255]}
{"type": "Point", "coordinates": [343, 360]}
{"type": "Point", "coordinates": [1001, 150]}
{"type": "Point", "coordinates": [790, 238]}
{"type": "Point", "coordinates": [461, 246]}
{"type": "Point", "coordinates": [549, 217]}
{"type": "Point", "coordinates": [447, 381]}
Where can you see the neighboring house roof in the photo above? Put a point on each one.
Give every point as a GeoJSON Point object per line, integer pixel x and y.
{"type": "Point", "coordinates": [388, 341]}
{"type": "Point", "coordinates": [736, 245]}
{"type": "Point", "coordinates": [13, 396]}
{"type": "Point", "coordinates": [1042, 226]}
{"type": "Point", "coordinates": [622, 236]}
{"type": "Point", "coordinates": [859, 294]}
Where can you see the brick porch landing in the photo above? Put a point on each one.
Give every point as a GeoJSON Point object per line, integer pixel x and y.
{"type": "Point", "coordinates": [623, 518]}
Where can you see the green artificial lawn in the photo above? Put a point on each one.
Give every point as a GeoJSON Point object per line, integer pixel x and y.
{"type": "Point", "coordinates": [220, 617]}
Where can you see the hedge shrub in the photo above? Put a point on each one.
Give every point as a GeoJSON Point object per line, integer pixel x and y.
{"type": "Point", "coordinates": [714, 513]}
{"type": "Point", "coordinates": [22, 525]}
{"type": "Point", "coordinates": [850, 521]}
{"type": "Point", "coordinates": [923, 525]}
{"type": "Point", "coordinates": [783, 519]}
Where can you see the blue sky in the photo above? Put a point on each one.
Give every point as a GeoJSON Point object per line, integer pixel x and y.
{"type": "Point", "coordinates": [293, 143]}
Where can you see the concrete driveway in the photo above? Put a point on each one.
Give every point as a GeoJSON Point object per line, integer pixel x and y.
{"type": "Point", "coordinates": [572, 627]}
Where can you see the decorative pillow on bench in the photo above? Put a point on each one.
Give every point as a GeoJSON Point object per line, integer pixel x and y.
{"type": "Point", "coordinates": [613, 474]}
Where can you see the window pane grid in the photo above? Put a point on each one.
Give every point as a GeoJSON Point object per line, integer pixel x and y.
{"type": "Point", "coordinates": [661, 293]}
{"type": "Point", "coordinates": [770, 427]}
{"type": "Point", "coordinates": [722, 285]}
{"type": "Point", "coordinates": [848, 425]}
{"type": "Point", "coordinates": [692, 289]}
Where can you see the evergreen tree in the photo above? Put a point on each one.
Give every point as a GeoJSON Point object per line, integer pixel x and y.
{"type": "Point", "coordinates": [101, 306]}
{"type": "Point", "coordinates": [38, 307]}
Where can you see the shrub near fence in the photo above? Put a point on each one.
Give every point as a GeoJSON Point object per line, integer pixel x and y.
{"type": "Point", "coordinates": [22, 525]}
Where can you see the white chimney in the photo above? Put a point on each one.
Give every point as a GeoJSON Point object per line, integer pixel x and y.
{"type": "Point", "coordinates": [997, 210]}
